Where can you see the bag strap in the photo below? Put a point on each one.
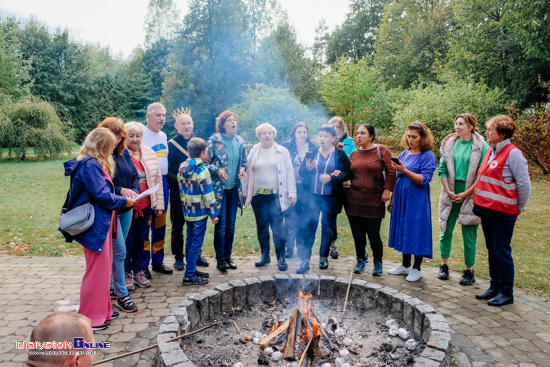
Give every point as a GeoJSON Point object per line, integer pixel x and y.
{"type": "Point", "coordinates": [380, 157]}
{"type": "Point", "coordinates": [66, 204]}
{"type": "Point", "coordinates": [177, 145]}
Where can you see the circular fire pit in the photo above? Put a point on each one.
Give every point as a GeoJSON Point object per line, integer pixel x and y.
{"type": "Point", "coordinates": [424, 324]}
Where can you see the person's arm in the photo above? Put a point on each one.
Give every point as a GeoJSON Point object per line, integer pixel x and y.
{"type": "Point", "coordinates": [520, 172]}
{"type": "Point", "coordinates": [91, 177]}
{"type": "Point", "coordinates": [428, 165]}
{"type": "Point", "coordinates": [290, 179]}
{"type": "Point", "coordinates": [207, 190]}
{"type": "Point", "coordinates": [211, 164]}
{"type": "Point", "coordinates": [343, 173]}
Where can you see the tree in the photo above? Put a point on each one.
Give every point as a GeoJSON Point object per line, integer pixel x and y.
{"type": "Point", "coordinates": [412, 41]}
{"type": "Point", "coordinates": [277, 106]}
{"type": "Point", "coordinates": [320, 43]}
{"type": "Point", "coordinates": [161, 21]}
{"type": "Point", "coordinates": [355, 37]}
{"type": "Point", "coordinates": [347, 91]}
{"type": "Point", "coordinates": [13, 70]}
{"type": "Point", "coordinates": [505, 44]}
{"type": "Point", "coordinates": [282, 62]}
{"type": "Point", "coordinates": [31, 124]}
{"type": "Point", "coordinates": [437, 103]}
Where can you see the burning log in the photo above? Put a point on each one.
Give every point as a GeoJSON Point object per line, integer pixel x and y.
{"type": "Point", "coordinates": [324, 333]}
{"type": "Point", "coordinates": [295, 320]}
{"type": "Point", "coordinates": [264, 343]}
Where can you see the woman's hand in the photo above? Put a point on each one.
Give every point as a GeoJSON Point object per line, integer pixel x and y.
{"type": "Point", "coordinates": [158, 213]}
{"type": "Point", "coordinates": [310, 164]}
{"type": "Point", "coordinates": [386, 196]}
{"type": "Point", "coordinates": [293, 201]}
{"type": "Point", "coordinates": [459, 197]}
{"type": "Point", "coordinates": [130, 202]}
{"type": "Point", "coordinates": [451, 194]}
{"type": "Point", "coordinates": [242, 174]}
{"type": "Point", "coordinates": [215, 220]}
{"type": "Point", "coordinates": [324, 178]}
{"type": "Point", "coordinates": [389, 207]}
{"type": "Point", "coordinates": [399, 167]}
{"type": "Point", "coordinates": [346, 184]}
{"type": "Point", "coordinates": [336, 172]}
{"type": "Point", "coordinates": [222, 174]}
{"type": "Point", "coordinates": [128, 193]}
{"type": "Point", "coordinates": [340, 145]}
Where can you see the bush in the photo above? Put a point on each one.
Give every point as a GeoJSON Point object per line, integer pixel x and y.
{"type": "Point", "coordinates": [31, 124]}
{"type": "Point", "coordinates": [437, 103]}
{"type": "Point", "coordinates": [533, 135]}
{"type": "Point", "coordinates": [278, 107]}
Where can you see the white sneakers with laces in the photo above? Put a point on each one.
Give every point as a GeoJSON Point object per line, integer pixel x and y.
{"type": "Point", "coordinates": [400, 270]}
{"type": "Point", "coordinates": [414, 276]}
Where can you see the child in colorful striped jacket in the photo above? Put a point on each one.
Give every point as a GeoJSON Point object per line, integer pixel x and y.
{"type": "Point", "coordinates": [198, 201]}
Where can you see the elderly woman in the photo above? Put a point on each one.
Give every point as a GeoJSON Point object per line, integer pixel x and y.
{"type": "Point", "coordinates": [227, 153]}
{"type": "Point", "coordinates": [502, 191]}
{"type": "Point", "coordinates": [271, 189]}
{"type": "Point", "coordinates": [126, 183]}
{"type": "Point", "coordinates": [91, 182]}
{"type": "Point", "coordinates": [298, 145]}
{"type": "Point", "coordinates": [411, 213]}
{"type": "Point", "coordinates": [372, 182]}
{"type": "Point", "coordinates": [342, 141]}
{"type": "Point", "coordinates": [146, 163]}
{"type": "Point", "coordinates": [461, 156]}
{"type": "Point", "coordinates": [323, 171]}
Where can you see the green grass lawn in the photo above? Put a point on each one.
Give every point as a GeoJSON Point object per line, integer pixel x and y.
{"type": "Point", "coordinates": [32, 193]}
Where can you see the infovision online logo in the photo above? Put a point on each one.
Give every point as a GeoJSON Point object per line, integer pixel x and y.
{"type": "Point", "coordinates": [77, 343]}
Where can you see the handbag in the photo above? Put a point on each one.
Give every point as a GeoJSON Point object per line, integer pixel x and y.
{"type": "Point", "coordinates": [76, 220]}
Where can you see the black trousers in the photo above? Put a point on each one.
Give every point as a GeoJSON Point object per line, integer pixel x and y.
{"type": "Point", "coordinates": [363, 227]}
{"type": "Point", "coordinates": [177, 219]}
{"type": "Point", "coordinates": [267, 211]}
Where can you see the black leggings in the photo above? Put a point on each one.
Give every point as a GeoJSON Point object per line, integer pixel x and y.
{"type": "Point", "coordinates": [417, 261]}
{"type": "Point", "coordinates": [363, 227]}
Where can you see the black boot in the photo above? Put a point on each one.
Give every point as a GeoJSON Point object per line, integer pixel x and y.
{"type": "Point", "coordinates": [222, 265]}
{"type": "Point", "coordinates": [281, 262]}
{"type": "Point", "coordinates": [264, 260]}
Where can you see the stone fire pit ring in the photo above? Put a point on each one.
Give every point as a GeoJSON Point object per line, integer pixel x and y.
{"type": "Point", "coordinates": [426, 324]}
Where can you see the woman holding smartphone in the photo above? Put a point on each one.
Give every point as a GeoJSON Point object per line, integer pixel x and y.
{"type": "Point", "coordinates": [411, 219]}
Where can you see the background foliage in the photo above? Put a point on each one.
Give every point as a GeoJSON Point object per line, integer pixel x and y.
{"type": "Point", "coordinates": [388, 63]}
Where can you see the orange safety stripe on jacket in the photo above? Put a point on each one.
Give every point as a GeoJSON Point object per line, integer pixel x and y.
{"type": "Point", "coordinates": [491, 190]}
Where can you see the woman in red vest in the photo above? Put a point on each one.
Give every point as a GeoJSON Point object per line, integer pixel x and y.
{"type": "Point", "coordinates": [501, 194]}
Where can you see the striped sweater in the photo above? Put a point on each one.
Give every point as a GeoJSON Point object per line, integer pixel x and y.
{"type": "Point", "coordinates": [196, 191]}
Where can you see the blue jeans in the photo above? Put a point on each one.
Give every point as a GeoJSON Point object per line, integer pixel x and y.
{"type": "Point", "coordinates": [139, 231]}
{"type": "Point", "coordinates": [193, 245]}
{"type": "Point", "coordinates": [124, 221]}
{"type": "Point", "coordinates": [498, 230]}
{"type": "Point", "coordinates": [224, 232]}
{"type": "Point", "coordinates": [325, 205]}
{"type": "Point", "coordinates": [267, 211]}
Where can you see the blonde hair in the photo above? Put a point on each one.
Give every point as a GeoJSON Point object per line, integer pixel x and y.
{"type": "Point", "coordinates": [116, 125]}
{"type": "Point", "coordinates": [99, 144]}
{"type": "Point", "coordinates": [266, 126]}
{"type": "Point", "coordinates": [337, 121]}
{"type": "Point", "coordinates": [134, 125]}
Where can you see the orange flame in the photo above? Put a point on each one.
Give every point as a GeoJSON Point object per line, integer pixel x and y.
{"type": "Point", "coordinates": [305, 302]}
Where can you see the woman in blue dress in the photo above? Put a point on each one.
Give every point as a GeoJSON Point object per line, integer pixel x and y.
{"type": "Point", "coordinates": [411, 219]}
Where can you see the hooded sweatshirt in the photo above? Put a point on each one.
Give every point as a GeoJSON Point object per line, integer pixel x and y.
{"type": "Point", "coordinates": [196, 191]}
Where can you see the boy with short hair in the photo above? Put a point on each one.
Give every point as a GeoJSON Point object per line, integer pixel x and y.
{"type": "Point", "coordinates": [198, 201]}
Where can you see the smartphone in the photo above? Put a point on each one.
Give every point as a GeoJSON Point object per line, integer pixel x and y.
{"type": "Point", "coordinates": [395, 160]}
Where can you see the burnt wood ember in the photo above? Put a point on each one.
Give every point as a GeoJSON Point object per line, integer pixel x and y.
{"type": "Point", "coordinates": [295, 320]}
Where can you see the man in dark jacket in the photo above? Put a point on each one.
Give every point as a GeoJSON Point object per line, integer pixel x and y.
{"type": "Point", "coordinates": [177, 153]}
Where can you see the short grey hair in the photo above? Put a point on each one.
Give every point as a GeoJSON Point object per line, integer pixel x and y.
{"type": "Point", "coordinates": [266, 126]}
{"type": "Point", "coordinates": [153, 106]}
{"type": "Point", "coordinates": [136, 126]}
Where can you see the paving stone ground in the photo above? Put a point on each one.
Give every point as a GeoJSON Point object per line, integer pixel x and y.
{"type": "Point", "coordinates": [32, 287]}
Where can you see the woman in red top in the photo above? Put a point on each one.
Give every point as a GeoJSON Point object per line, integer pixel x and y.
{"type": "Point", "coordinates": [368, 192]}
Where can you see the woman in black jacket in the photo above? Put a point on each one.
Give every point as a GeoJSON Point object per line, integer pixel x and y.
{"type": "Point", "coordinates": [323, 171]}
{"type": "Point", "coordinates": [298, 145]}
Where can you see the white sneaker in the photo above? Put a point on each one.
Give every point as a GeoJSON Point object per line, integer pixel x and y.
{"type": "Point", "coordinates": [414, 276]}
{"type": "Point", "coordinates": [400, 270]}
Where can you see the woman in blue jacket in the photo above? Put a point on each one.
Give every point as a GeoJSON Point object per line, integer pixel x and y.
{"type": "Point", "coordinates": [91, 182]}
{"type": "Point", "coordinates": [323, 171]}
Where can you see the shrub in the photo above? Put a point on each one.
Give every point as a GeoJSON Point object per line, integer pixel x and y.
{"type": "Point", "coordinates": [533, 135]}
